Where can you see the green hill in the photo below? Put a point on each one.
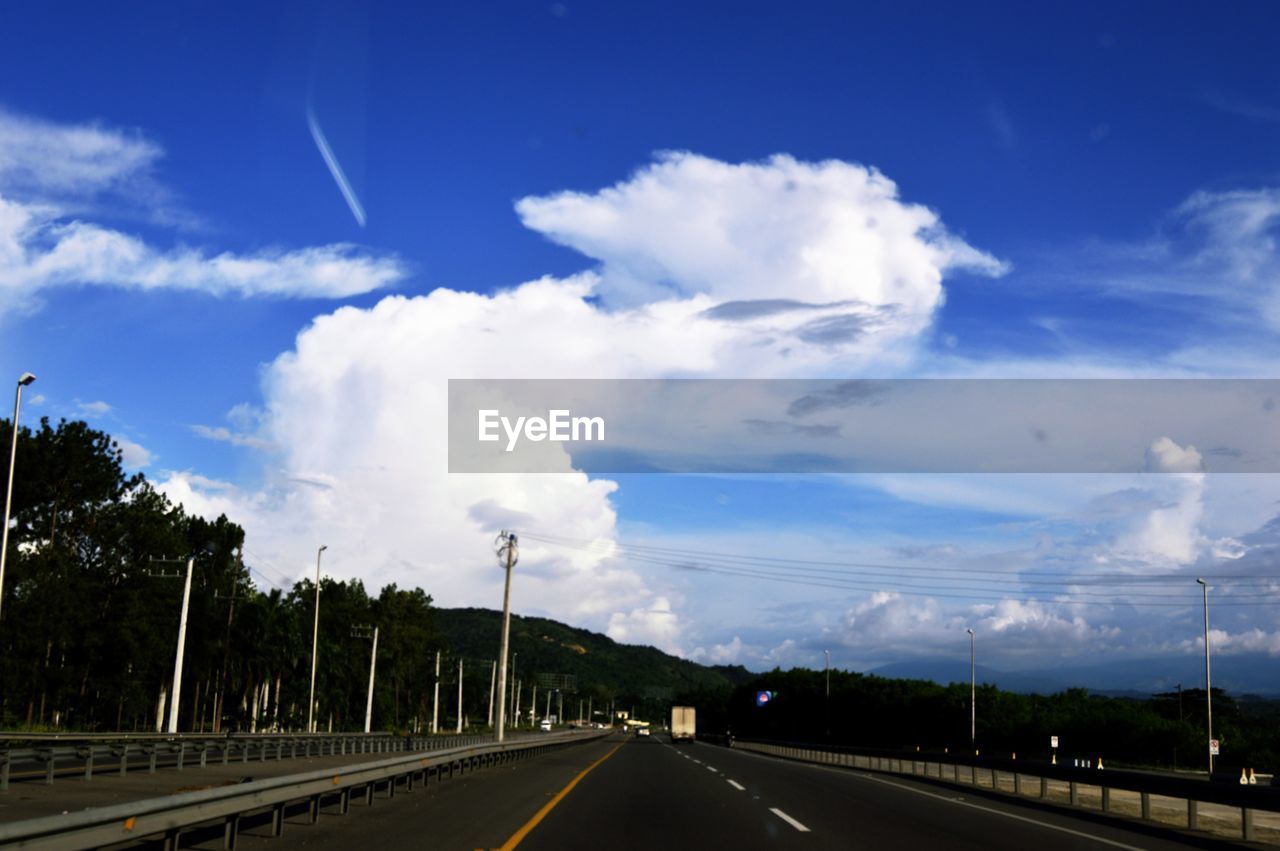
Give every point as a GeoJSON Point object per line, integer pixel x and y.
{"type": "Point", "coordinates": [643, 679]}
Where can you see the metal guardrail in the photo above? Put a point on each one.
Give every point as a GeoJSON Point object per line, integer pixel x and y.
{"type": "Point", "coordinates": [82, 756]}
{"type": "Point", "coordinates": [169, 816]}
{"type": "Point", "coordinates": [937, 767]}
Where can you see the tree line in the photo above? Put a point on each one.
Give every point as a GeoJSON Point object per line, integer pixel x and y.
{"type": "Point", "coordinates": [861, 710]}
{"type": "Point", "coordinates": [91, 604]}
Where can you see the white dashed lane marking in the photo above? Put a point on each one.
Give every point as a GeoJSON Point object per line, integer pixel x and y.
{"type": "Point", "coordinates": [735, 784]}
{"type": "Point", "coordinates": [788, 819]}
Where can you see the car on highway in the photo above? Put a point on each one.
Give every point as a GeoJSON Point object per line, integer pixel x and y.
{"type": "Point", "coordinates": [642, 731]}
{"type": "Point", "coordinates": [545, 726]}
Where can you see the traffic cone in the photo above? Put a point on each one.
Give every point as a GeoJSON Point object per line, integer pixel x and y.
{"type": "Point", "coordinates": [1099, 763]}
{"type": "Point", "coordinates": [1253, 781]}
{"type": "Point", "coordinates": [1244, 777]}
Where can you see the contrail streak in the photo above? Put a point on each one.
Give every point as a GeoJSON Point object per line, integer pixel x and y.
{"type": "Point", "coordinates": [334, 168]}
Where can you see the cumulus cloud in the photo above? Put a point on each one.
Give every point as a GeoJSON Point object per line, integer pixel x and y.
{"type": "Point", "coordinates": [888, 625]}
{"type": "Point", "coordinates": [1165, 456]}
{"type": "Point", "coordinates": [657, 625]}
{"type": "Point", "coordinates": [358, 408]}
{"type": "Point", "coordinates": [1253, 640]}
{"type": "Point", "coordinates": [135, 455]}
{"type": "Point", "coordinates": [728, 653]}
{"type": "Point", "coordinates": [825, 250]}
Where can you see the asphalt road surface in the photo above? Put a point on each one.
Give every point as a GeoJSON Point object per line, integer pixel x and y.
{"type": "Point", "coordinates": [623, 793]}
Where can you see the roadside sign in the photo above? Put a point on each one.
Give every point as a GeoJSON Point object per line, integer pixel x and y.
{"type": "Point", "coordinates": [1213, 747]}
{"type": "Point", "coordinates": [763, 698]}
{"type": "Point", "coordinates": [1053, 741]}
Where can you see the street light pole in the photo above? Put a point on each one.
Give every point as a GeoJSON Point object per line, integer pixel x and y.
{"type": "Point", "coordinates": [23, 381]}
{"type": "Point", "coordinates": [507, 554]}
{"type": "Point", "coordinates": [973, 694]}
{"type": "Point", "coordinates": [373, 665]}
{"type": "Point", "coordinates": [1208, 686]}
{"type": "Point", "coordinates": [315, 643]}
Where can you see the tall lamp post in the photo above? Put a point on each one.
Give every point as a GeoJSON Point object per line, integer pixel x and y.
{"type": "Point", "coordinates": [1208, 687]}
{"type": "Point", "coordinates": [315, 642]}
{"type": "Point", "coordinates": [508, 553]}
{"type": "Point", "coordinates": [973, 695]}
{"type": "Point", "coordinates": [25, 379]}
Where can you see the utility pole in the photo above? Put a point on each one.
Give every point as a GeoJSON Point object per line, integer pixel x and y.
{"type": "Point", "coordinates": [1208, 686]}
{"type": "Point", "coordinates": [515, 710]}
{"type": "Point", "coordinates": [547, 714]}
{"type": "Point", "coordinates": [315, 643]}
{"type": "Point", "coordinates": [182, 642]}
{"type": "Point", "coordinates": [226, 648]}
{"type": "Point", "coordinates": [507, 551]}
{"type": "Point", "coordinates": [459, 697]}
{"type": "Point", "coordinates": [533, 707]}
{"type": "Point", "coordinates": [435, 700]}
{"type": "Point", "coordinates": [25, 379]}
{"type": "Point", "coordinates": [172, 726]}
{"type": "Point", "coordinates": [363, 632]}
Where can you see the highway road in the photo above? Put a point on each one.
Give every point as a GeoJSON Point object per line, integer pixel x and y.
{"type": "Point", "coordinates": [624, 792]}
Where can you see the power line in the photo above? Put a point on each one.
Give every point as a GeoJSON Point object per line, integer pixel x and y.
{"type": "Point", "coordinates": [786, 571]}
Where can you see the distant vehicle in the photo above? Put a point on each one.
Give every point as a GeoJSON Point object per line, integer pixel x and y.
{"type": "Point", "coordinates": [545, 726]}
{"type": "Point", "coordinates": [642, 731]}
{"type": "Point", "coordinates": [683, 723]}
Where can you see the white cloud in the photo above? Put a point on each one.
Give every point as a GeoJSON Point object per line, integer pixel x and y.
{"type": "Point", "coordinates": [1165, 456]}
{"type": "Point", "coordinates": [95, 409]}
{"type": "Point", "coordinates": [49, 175]}
{"type": "Point", "coordinates": [1246, 641]}
{"type": "Point", "coordinates": [358, 408]}
{"type": "Point", "coordinates": [889, 625]}
{"type": "Point", "coordinates": [40, 249]}
{"type": "Point", "coordinates": [135, 455]}
{"type": "Point", "coordinates": [226, 435]}
{"type": "Point", "coordinates": [719, 654]}
{"type": "Point", "coordinates": [826, 250]}
{"type": "Point", "coordinates": [657, 625]}
{"type": "Point", "coordinates": [74, 159]}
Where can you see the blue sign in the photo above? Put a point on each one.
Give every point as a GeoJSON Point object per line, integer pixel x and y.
{"type": "Point", "coordinates": [763, 698]}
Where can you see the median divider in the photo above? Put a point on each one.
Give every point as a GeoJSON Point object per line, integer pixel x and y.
{"type": "Point", "coordinates": [170, 815]}
{"type": "Point", "coordinates": [1023, 778]}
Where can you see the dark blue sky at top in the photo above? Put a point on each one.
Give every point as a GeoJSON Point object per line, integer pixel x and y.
{"type": "Point", "coordinates": [1031, 128]}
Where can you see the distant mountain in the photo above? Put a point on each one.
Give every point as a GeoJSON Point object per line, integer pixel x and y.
{"type": "Point", "coordinates": [1240, 675]}
{"type": "Point", "coordinates": [601, 665]}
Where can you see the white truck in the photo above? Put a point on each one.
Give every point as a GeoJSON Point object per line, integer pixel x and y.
{"type": "Point", "coordinates": [683, 723]}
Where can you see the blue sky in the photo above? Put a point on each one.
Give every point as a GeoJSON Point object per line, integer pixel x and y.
{"type": "Point", "coordinates": [1110, 169]}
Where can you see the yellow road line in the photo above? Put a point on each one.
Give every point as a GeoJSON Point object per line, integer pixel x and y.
{"type": "Point", "coordinates": [519, 835]}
